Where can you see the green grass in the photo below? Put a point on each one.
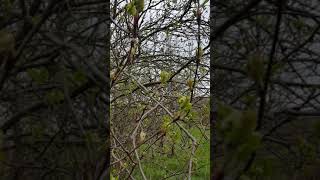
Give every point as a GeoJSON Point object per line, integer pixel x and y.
{"type": "Point", "coordinates": [159, 166]}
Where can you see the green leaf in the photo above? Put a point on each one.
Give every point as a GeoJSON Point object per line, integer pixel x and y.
{"type": "Point", "coordinates": [7, 42]}
{"type": "Point", "coordinates": [91, 137]}
{"type": "Point", "coordinates": [255, 68]}
{"type": "Point", "coordinates": [139, 4]}
{"type": "Point", "coordinates": [232, 121]}
{"type": "Point", "coordinates": [262, 20]}
{"type": "Point", "coordinates": [298, 23]}
{"type": "Point", "coordinates": [37, 131]}
{"type": "Point", "coordinates": [223, 110]}
{"type": "Point", "coordinates": [244, 151]}
{"type": "Point", "coordinates": [266, 164]}
{"type": "Point", "coordinates": [142, 136]}
{"type": "Point", "coordinates": [39, 75]}
{"type": "Point", "coordinates": [184, 103]}
{"type": "Point", "coordinates": [254, 140]}
{"type": "Point", "coordinates": [164, 76]}
{"type": "Point", "coordinates": [199, 53]}
{"type": "Point", "coordinates": [131, 8]}
{"type": "Point", "coordinates": [166, 120]}
{"type": "Point", "coordinates": [54, 97]}
{"type": "Point", "coordinates": [276, 67]}
{"type": "Point", "coordinates": [249, 120]}
{"type": "Point", "coordinates": [174, 134]}
{"type": "Point", "coordinates": [7, 6]}
{"type": "Point", "coordinates": [250, 100]}
{"type": "Point", "coordinates": [35, 19]}
{"type": "Point", "coordinates": [79, 77]}
{"type": "Point", "coordinates": [114, 178]}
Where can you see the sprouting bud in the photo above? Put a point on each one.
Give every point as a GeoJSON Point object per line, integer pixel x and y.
{"type": "Point", "coordinates": [142, 136]}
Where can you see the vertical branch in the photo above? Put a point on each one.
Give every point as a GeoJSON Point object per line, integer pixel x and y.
{"type": "Point", "coordinates": [198, 58]}
{"type": "Point", "coordinates": [264, 90]}
{"type": "Point", "coordinates": [134, 40]}
{"type": "Point", "coordinates": [198, 54]}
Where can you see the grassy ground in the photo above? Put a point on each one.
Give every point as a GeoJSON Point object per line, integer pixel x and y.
{"type": "Point", "coordinates": [161, 166]}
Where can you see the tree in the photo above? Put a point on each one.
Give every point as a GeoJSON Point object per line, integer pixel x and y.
{"type": "Point", "coordinates": [159, 89]}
